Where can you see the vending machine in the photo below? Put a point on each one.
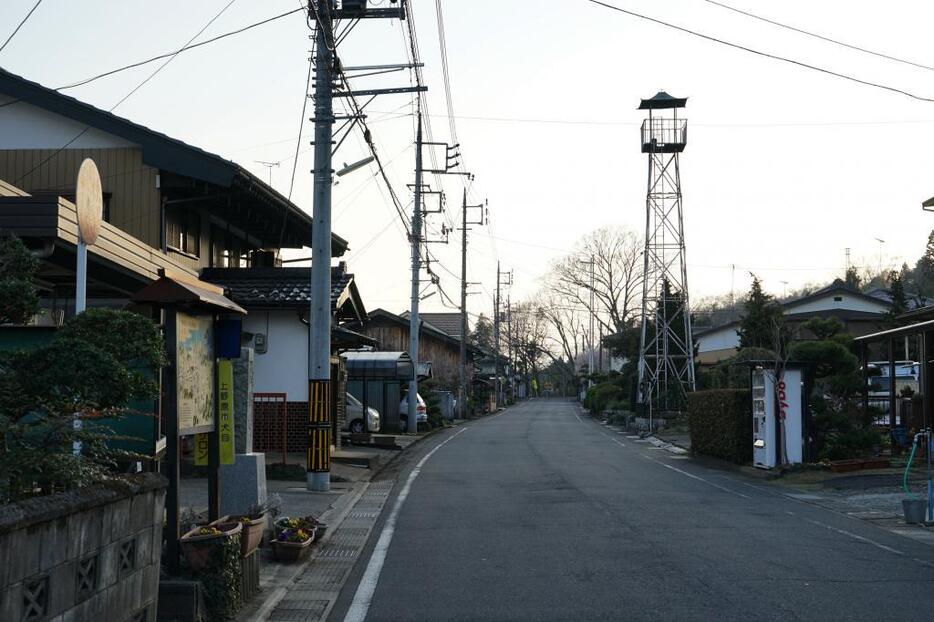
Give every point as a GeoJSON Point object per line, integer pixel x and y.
{"type": "Point", "coordinates": [777, 431]}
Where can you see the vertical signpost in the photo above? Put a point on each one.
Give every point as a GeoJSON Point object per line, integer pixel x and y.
{"type": "Point", "coordinates": [89, 204]}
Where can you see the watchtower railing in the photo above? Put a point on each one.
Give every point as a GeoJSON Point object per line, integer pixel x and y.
{"type": "Point", "coordinates": [664, 135]}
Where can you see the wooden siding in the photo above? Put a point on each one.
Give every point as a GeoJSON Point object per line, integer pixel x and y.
{"type": "Point", "coordinates": [134, 199]}
{"type": "Point", "coordinates": [444, 356]}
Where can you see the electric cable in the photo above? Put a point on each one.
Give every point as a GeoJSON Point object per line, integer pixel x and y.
{"type": "Point", "coordinates": [125, 97]}
{"type": "Point", "coordinates": [20, 25]}
{"type": "Point", "coordinates": [184, 48]}
{"type": "Point", "coordinates": [819, 36]}
{"type": "Point", "coordinates": [750, 50]}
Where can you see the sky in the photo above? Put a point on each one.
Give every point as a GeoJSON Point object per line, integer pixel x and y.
{"type": "Point", "coordinates": [784, 169]}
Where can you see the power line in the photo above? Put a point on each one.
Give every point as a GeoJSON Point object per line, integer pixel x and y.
{"type": "Point", "coordinates": [819, 36]}
{"type": "Point", "coordinates": [20, 25]}
{"type": "Point", "coordinates": [298, 141]}
{"type": "Point", "coordinates": [184, 48]}
{"type": "Point", "coordinates": [125, 97]}
{"type": "Point", "coordinates": [783, 59]}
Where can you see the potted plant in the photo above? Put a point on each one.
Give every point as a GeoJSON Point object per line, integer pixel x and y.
{"type": "Point", "coordinates": [254, 523]}
{"type": "Point", "coordinates": [305, 522]}
{"type": "Point", "coordinates": [200, 542]}
{"type": "Point", "coordinates": [293, 544]}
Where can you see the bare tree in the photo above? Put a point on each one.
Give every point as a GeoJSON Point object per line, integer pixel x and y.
{"type": "Point", "coordinates": [617, 276]}
{"type": "Point", "coordinates": [567, 324]}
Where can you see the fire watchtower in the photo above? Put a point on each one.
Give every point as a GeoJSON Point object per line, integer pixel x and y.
{"type": "Point", "coordinates": [666, 353]}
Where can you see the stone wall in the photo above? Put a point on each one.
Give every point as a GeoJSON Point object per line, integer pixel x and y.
{"type": "Point", "coordinates": [89, 554]}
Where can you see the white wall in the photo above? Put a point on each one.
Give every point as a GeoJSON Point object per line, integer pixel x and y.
{"type": "Point", "coordinates": [23, 126]}
{"type": "Point", "coordinates": [284, 367]}
{"type": "Point", "coordinates": [848, 302]}
{"type": "Point", "coordinates": [721, 339]}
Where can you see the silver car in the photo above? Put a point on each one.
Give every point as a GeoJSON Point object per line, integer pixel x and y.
{"type": "Point", "coordinates": [354, 422]}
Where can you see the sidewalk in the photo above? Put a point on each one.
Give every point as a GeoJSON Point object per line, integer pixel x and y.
{"type": "Point", "coordinates": [307, 590]}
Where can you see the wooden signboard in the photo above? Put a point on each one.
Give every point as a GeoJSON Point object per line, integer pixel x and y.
{"type": "Point", "coordinates": [194, 372]}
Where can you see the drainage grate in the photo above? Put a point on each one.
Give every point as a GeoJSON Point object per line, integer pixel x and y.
{"type": "Point", "coordinates": [325, 574]}
{"type": "Point", "coordinates": [364, 514]}
{"type": "Point", "coordinates": [343, 552]}
{"type": "Point", "coordinates": [351, 537]}
{"type": "Point", "coordinates": [299, 611]}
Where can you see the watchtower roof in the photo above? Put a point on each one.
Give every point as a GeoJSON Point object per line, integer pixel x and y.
{"type": "Point", "coordinates": [662, 100]}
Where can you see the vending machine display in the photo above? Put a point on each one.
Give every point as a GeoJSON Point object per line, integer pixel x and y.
{"type": "Point", "coordinates": [776, 417]}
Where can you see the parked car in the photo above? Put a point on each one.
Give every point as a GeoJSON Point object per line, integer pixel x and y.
{"type": "Point", "coordinates": [421, 411]}
{"type": "Point", "coordinates": [355, 421]}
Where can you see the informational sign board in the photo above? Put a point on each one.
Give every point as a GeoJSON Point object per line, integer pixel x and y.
{"type": "Point", "coordinates": [225, 414]}
{"type": "Point", "coordinates": [201, 449]}
{"type": "Point", "coordinates": [194, 370]}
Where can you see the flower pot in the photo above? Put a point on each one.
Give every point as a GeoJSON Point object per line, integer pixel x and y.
{"type": "Point", "coordinates": [198, 547]}
{"type": "Point", "coordinates": [292, 551]}
{"type": "Point", "coordinates": [915, 510]}
{"type": "Point", "coordinates": [252, 533]}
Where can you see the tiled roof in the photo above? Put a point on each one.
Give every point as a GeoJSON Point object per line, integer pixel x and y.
{"type": "Point", "coordinates": [274, 287]}
{"type": "Point", "coordinates": [449, 323]}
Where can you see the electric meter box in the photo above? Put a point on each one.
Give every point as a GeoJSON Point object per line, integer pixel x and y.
{"type": "Point", "coordinates": [777, 431]}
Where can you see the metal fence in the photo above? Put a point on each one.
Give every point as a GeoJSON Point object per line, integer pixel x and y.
{"type": "Point", "coordinates": [271, 424]}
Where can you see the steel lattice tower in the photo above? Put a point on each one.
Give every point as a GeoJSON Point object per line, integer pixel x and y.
{"type": "Point", "coordinates": [666, 352]}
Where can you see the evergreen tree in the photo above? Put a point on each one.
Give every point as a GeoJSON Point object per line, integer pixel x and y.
{"type": "Point", "coordinates": [482, 334]}
{"type": "Point", "coordinates": [852, 278]}
{"type": "Point", "coordinates": [899, 299]}
{"type": "Point", "coordinates": [18, 267]}
{"type": "Point", "coordinates": [762, 314]}
{"type": "Point", "coordinates": [924, 269]}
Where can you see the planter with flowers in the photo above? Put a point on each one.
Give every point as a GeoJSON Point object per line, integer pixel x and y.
{"type": "Point", "coordinates": [303, 522]}
{"type": "Point", "coordinates": [199, 543]}
{"type": "Point", "coordinates": [293, 544]}
{"type": "Point", "coordinates": [252, 534]}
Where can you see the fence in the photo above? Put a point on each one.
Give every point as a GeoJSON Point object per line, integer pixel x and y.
{"type": "Point", "coordinates": [271, 424]}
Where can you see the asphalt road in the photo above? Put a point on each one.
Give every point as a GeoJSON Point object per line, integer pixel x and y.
{"type": "Point", "coordinates": [541, 514]}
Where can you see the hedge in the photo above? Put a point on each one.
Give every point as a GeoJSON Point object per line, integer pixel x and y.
{"type": "Point", "coordinates": [721, 424]}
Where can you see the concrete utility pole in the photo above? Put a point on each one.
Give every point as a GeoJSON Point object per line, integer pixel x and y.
{"type": "Point", "coordinates": [416, 240]}
{"type": "Point", "coordinates": [509, 350]}
{"type": "Point", "coordinates": [462, 367]}
{"type": "Point", "coordinates": [496, 338]}
{"type": "Point", "coordinates": [592, 312]}
{"type": "Point", "coordinates": [323, 13]}
{"type": "Point", "coordinates": [462, 386]}
{"type": "Point", "coordinates": [319, 334]}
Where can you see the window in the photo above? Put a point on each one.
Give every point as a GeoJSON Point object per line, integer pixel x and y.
{"type": "Point", "coordinates": [227, 250]}
{"type": "Point", "coordinates": [183, 230]}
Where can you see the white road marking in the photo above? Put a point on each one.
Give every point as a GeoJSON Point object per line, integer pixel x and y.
{"type": "Point", "coordinates": [697, 477]}
{"type": "Point", "coordinates": [854, 536]}
{"type": "Point", "coordinates": [363, 597]}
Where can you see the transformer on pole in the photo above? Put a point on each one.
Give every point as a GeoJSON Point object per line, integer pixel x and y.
{"type": "Point", "coordinates": [666, 351]}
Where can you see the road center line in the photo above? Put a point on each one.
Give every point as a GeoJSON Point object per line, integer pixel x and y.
{"type": "Point", "coordinates": [363, 597]}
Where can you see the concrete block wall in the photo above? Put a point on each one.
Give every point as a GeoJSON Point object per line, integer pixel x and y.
{"type": "Point", "coordinates": [90, 554]}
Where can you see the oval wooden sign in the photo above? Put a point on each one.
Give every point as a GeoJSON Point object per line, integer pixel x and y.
{"type": "Point", "coordinates": [89, 199]}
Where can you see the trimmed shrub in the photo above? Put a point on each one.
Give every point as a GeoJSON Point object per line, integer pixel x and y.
{"type": "Point", "coordinates": [601, 396]}
{"type": "Point", "coordinates": [721, 424]}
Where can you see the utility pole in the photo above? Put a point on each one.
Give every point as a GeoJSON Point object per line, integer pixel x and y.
{"type": "Point", "coordinates": [462, 367]}
{"type": "Point", "coordinates": [496, 337]}
{"type": "Point", "coordinates": [496, 318]}
{"type": "Point", "coordinates": [416, 240]}
{"type": "Point", "coordinates": [323, 13]}
{"type": "Point", "coordinates": [462, 374]}
{"type": "Point", "coordinates": [319, 335]}
{"type": "Point", "coordinates": [592, 312]}
{"type": "Point", "coordinates": [590, 329]}
{"type": "Point", "coordinates": [511, 365]}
